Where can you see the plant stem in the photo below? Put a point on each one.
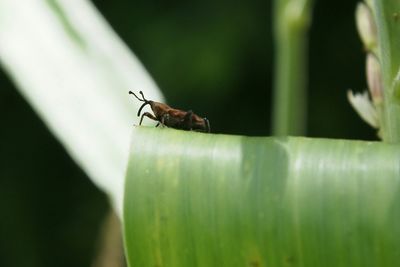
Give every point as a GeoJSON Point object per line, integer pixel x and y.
{"type": "Point", "coordinates": [292, 19]}
{"type": "Point", "coordinates": [110, 252]}
{"type": "Point", "coordinates": [388, 23]}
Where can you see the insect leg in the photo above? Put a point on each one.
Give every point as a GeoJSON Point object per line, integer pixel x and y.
{"type": "Point", "coordinates": [207, 123]}
{"type": "Point", "coordinates": [148, 115]}
{"type": "Point", "coordinates": [188, 121]}
{"type": "Point", "coordinates": [164, 118]}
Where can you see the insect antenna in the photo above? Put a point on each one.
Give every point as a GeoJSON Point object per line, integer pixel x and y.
{"type": "Point", "coordinates": [140, 92]}
{"type": "Point", "coordinates": [132, 93]}
{"type": "Point", "coordinates": [143, 100]}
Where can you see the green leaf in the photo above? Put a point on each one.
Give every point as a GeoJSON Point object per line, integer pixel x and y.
{"type": "Point", "coordinates": [196, 199]}
{"type": "Point", "coordinates": [76, 73]}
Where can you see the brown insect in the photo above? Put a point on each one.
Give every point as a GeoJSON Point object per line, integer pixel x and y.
{"type": "Point", "coordinates": [174, 118]}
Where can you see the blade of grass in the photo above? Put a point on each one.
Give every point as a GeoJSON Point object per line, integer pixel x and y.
{"type": "Point", "coordinates": [197, 199]}
{"type": "Point", "coordinates": [76, 73]}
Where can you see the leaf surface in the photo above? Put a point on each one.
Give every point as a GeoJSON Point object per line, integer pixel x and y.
{"type": "Point", "coordinates": [196, 199]}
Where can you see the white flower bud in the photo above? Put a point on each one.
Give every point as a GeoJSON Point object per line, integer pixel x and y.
{"type": "Point", "coordinates": [363, 106]}
{"type": "Point", "coordinates": [366, 26]}
{"type": "Point", "coordinates": [374, 78]}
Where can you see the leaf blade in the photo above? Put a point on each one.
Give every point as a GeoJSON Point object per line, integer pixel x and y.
{"type": "Point", "coordinates": [76, 73]}
{"type": "Point", "coordinates": [214, 200]}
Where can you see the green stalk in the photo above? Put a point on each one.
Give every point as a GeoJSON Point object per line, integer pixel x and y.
{"type": "Point", "coordinates": [387, 18]}
{"type": "Point", "coordinates": [292, 20]}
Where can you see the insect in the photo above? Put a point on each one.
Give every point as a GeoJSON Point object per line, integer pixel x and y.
{"type": "Point", "coordinates": [170, 117]}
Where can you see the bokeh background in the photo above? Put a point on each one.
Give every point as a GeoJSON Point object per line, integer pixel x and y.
{"type": "Point", "coordinates": [214, 57]}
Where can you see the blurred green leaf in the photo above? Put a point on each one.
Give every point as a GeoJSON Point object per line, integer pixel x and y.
{"type": "Point", "coordinates": [76, 73]}
{"type": "Point", "coordinates": [196, 199]}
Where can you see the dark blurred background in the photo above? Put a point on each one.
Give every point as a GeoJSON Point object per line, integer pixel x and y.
{"type": "Point", "coordinates": [214, 57]}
